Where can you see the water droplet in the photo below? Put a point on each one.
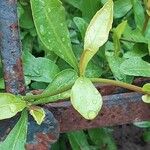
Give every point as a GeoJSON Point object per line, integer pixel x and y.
{"type": "Point", "coordinates": [91, 114]}
{"type": "Point", "coordinates": [49, 41]}
{"type": "Point", "coordinates": [42, 29]}
{"type": "Point", "coordinates": [12, 108]}
{"type": "Point", "coordinates": [49, 10]}
{"type": "Point", "coordinates": [63, 39]}
{"type": "Point", "coordinates": [61, 24]}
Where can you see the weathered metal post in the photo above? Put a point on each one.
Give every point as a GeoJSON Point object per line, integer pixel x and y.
{"type": "Point", "coordinates": [10, 47]}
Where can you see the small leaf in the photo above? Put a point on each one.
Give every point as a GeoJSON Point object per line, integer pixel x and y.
{"type": "Point", "coordinates": [85, 98]}
{"type": "Point", "coordinates": [146, 98]}
{"type": "Point", "coordinates": [142, 124]}
{"type": "Point", "coordinates": [97, 33]}
{"type": "Point", "coordinates": [135, 67]}
{"type": "Point", "coordinates": [10, 105]}
{"type": "Point", "coordinates": [146, 87]}
{"type": "Point", "coordinates": [17, 137]}
{"type": "Point", "coordinates": [38, 114]}
{"type": "Point", "coordinates": [49, 19]}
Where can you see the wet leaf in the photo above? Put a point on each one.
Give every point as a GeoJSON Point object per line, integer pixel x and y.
{"type": "Point", "coordinates": [39, 69]}
{"type": "Point", "coordinates": [97, 33]}
{"type": "Point", "coordinates": [85, 98]}
{"type": "Point", "coordinates": [146, 98]}
{"type": "Point", "coordinates": [38, 114]}
{"type": "Point", "coordinates": [17, 137]}
{"type": "Point", "coordinates": [135, 67]}
{"type": "Point", "coordinates": [10, 105]}
{"type": "Point", "coordinates": [63, 80]}
{"type": "Point", "coordinates": [49, 19]}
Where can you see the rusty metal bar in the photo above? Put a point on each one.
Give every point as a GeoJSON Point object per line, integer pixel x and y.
{"type": "Point", "coordinates": [117, 109]}
{"type": "Point", "coordinates": [10, 47]}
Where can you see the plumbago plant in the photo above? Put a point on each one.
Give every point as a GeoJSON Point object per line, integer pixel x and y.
{"type": "Point", "coordinates": [53, 35]}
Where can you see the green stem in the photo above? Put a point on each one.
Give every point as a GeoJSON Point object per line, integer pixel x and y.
{"type": "Point", "coordinates": [94, 80]}
{"type": "Point", "coordinates": [46, 94]}
{"type": "Point", "coordinates": [120, 84]}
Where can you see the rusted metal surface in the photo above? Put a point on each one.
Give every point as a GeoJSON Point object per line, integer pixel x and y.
{"type": "Point", "coordinates": [10, 47]}
{"type": "Point", "coordinates": [117, 109]}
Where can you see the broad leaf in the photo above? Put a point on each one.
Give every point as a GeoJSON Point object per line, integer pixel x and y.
{"type": "Point", "coordinates": [135, 67]}
{"type": "Point", "coordinates": [38, 114]}
{"type": "Point", "coordinates": [17, 137]}
{"type": "Point", "coordinates": [146, 98]}
{"type": "Point", "coordinates": [10, 105]}
{"type": "Point", "coordinates": [97, 33]}
{"type": "Point", "coordinates": [114, 64]}
{"type": "Point", "coordinates": [39, 69]}
{"type": "Point", "coordinates": [85, 98]}
{"type": "Point", "coordinates": [49, 19]}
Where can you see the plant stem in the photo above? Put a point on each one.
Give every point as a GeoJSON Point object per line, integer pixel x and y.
{"type": "Point", "coordinates": [94, 80]}
{"type": "Point", "coordinates": [46, 94]}
{"type": "Point", "coordinates": [120, 84]}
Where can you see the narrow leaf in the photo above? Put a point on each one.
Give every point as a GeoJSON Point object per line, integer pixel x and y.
{"type": "Point", "coordinates": [38, 114]}
{"type": "Point", "coordinates": [136, 67]}
{"type": "Point", "coordinates": [97, 33]}
{"type": "Point", "coordinates": [49, 19]}
{"type": "Point", "coordinates": [85, 98]}
{"type": "Point", "coordinates": [10, 105]}
{"type": "Point", "coordinates": [17, 137]}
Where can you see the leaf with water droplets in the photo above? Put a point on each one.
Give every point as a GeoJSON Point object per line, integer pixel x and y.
{"type": "Point", "coordinates": [38, 114]}
{"type": "Point", "coordinates": [49, 19]}
{"type": "Point", "coordinates": [146, 98]}
{"type": "Point", "coordinates": [85, 98]}
{"type": "Point", "coordinates": [17, 137]}
{"type": "Point", "coordinates": [97, 33]}
{"type": "Point", "coordinates": [135, 67]}
{"type": "Point", "coordinates": [10, 105]}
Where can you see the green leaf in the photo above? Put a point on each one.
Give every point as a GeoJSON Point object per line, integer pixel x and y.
{"type": "Point", "coordinates": [17, 137]}
{"type": "Point", "coordinates": [117, 32]}
{"type": "Point", "coordinates": [85, 98]}
{"type": "Point", "coordinates": [138, 13]}
{"type": "Point", "coordinates": [63, 80]}
{"type": "Point", "coordinates": [39, 69]}
{"type": "Point", "coordinates": [81, 24]}
{"type": "Point", "coordinates": [10, 105]}
{"type": "Point", "coordinates": [142, 124]}
{"type": "Point", "coordinates": [135, 67]}
{"type": "Point", "coordinates": [103, 138]}
{"type": "Point", "coordinates": [146, 87]}
{"type": "Point", "coordinates": [49, 19]}
{"type": "Point", "coordinates": [97, 33]}
{"type": "Point", "coordinates": [139, 50]}
{"type": "Point", "coordinates": [26, 20]}
{"type": "Point", "coordinates": [78, 140]}
{"type": "Point", "coordinates": [114, 64]}
{"type": "Point", "coordinates": [38, 114]}
{"type": "Point", "coordinates": [146, 98]}
{"type": "Point", "coordinates": [121, 8]}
